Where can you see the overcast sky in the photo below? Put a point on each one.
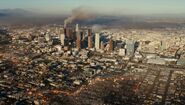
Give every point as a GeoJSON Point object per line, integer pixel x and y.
{"type": "Point", "coordinates": [99, 6]}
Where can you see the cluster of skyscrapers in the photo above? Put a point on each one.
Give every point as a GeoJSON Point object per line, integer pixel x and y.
{"type": "Point", "coordinates": [83, 38]}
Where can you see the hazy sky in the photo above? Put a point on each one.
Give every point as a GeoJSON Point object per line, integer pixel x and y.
{"type": "Point", "coordinates": [103, 6]}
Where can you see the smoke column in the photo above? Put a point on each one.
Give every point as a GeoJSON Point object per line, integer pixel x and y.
{"type": "Point", "coordinates": [79, 14]}
{"type": "Point", "coordinates": [97, 28]}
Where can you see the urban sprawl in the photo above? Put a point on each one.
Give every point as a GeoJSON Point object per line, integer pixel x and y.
{"type": "Point", "coordinates": [77, 65]}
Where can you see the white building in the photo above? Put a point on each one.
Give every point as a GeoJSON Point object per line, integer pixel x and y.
{"type": "Point", "coordinates": [58, 47]}
{"type": "Point", "coordinates": [48, 37]}
{"type": "Point", "coordinates": [122, 52]}
{"type": "Point", "coordinates": [62, 39]}
{"type": "Point", "coordinates": [77, 28]}
{"type": "Point", "coordinates": [97, 41]}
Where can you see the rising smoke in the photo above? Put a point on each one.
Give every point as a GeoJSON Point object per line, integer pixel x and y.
{"type": "Point", "coordinates": [79, 13]}
{"type": "Point", "coordinates": [97, 28]}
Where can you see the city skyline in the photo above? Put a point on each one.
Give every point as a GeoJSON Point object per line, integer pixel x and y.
{"type": "Point", "coordinates": [92, 52]}
{"type": "Point", "coordinates": [118, 7]}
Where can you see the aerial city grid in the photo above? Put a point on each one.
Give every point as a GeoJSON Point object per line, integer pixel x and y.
{"type": "Point", "coordinates": [99, 52]}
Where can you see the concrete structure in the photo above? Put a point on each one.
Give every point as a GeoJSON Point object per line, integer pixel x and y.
{"type": "Point", "coordinates": [97, 41]}
{"type": "Point", "coordinates": [62, 39]}
{"type": "Point", "coordinates": [163, 45]}
{"type": "Point", "coordinates": [122, 52]}
{"type": "Point", "coordinates": [90, 42]}
{"type": "Point", "coordinates": [48, 37]}
{"type": "Point", "coordinates": [130, 46]}
{"type": "Point", "coordinates": [111, 45]}
{"type": "Point", "coordinates": [78, 42]}
{"type": "Point", "coordinates": [77, 28]}
{"type": "Point", "coordinates": [59, 31]}
{"type": "Point", "coordinates": [58, 47]}
{"type": "Point", "coordinates": [78, 35]}
{"type": "Point", "coordinates": [102, 45]}
{"type": "Point", "coordinates": [68, 32]}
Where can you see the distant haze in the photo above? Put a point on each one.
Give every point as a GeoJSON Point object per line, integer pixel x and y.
{"type": "Point", "coordinates": [115, 7]}
{"type": "Point", "coordinates": [97, 21]}
{"type": "Point", "coordinates": [127, 13]}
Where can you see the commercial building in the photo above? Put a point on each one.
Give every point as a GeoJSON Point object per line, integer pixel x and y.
{"type": "Point", "coordinates": [78, 35]}
{"type": "Point", "coordinates": [48, 37]}
{"type": "Point", "coordinates": [90, 41]}
{"type": "Point", "coordinates": [97, 41]}
{"type": "Point", "coordinates": [122, 52]}
{"type": "Point", "coordinates": [62, 39]}
{"type": "Point", "coordinates": [130, 48]}
{"type": "Point", "coordinates": [68, 32]}
{"type": "Point", "coordinates": [111, 45]}
{"type": "Point", "coordinates": [102, 45]}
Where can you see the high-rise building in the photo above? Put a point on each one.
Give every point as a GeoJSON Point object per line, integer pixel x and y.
{"type": "Point", "coordinates": [89, 32]}
{"type": "Point", "coordinates": [78, 41]}
{"type": "Point", "coordinates": [65, 31]}
{"type": "Point", "coordinates": [130, 46]}
{"type": "Point", "coordinates": [60, 31]}
{"type": "Point", "coordinates": [90, 43]}
{"type": "Point", "coordinates": [78, 35]}
{"type": "Point", "coordinates": [97, 41]}
{"type": "Point", "coordinates": [62, 39]}
{"type": "Point", "coordinates": [102, 45]}
{"type": "Point", "coordinates": [111, 45]}
{"type": "Point", "coordinates": [77, 28]}
{"type": "Point", "coordinates": [48, 37]}
{"type": "Point", "coordinates": [68, 32]}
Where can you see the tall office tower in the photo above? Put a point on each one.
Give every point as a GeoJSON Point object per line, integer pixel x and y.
{"type": "Point", "coordinates": [97, 41]}
{"type": "Point", "coordinates": [102, 45]}
{"type": "Point", "coordinates": [73, 37]}
{"type": "Point", "coordinates": [90, 44]}
{"type": "Point", "coordinates": [60, 31]}
{"type": "Point", "coordinates": [111, 45]}
{"type": "Point", "coordinates": [65, 35]}
{"type": "Point", "coordinates": [62, 39]}
{"type": "Point", "coordinates": [68, 32]}
{"type": "Point", "coordinates": [89, 32]}
{"type": "Point", "coordinates": [78, 35]}
{"type": "Point", "coordinates": [130, 48]}
{"type": "Point", "coordinates": [78, 41]}
{"type": "Point", "coordinates": [77, 28]}
{"type": "Point", "coordinates": [77, 31]}
{"type": "Point", "coordinates": [65, 31]}
{"type": "Point", "coordinates": [48, 37]}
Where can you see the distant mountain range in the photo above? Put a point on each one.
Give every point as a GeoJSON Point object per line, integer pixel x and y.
{"type": "Point", "coordinates": [21, 16]}
{"type": "Point", "coordinates": [14, 12]}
